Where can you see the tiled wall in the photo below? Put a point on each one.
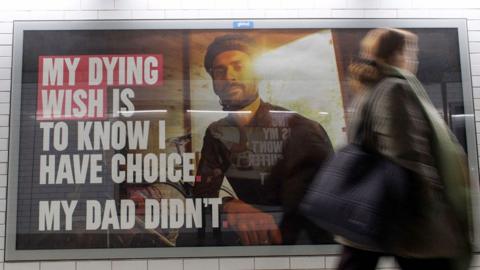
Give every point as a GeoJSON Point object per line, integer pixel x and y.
{"type": "Point", "coordinates": [179, 9]}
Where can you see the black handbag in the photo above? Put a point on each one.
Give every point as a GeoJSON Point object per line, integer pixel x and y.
{"type": "Point", "coordinates": [359, 195]}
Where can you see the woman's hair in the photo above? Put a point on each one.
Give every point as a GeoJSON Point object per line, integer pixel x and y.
{"type": "Point", "coordinates": [379, 46]}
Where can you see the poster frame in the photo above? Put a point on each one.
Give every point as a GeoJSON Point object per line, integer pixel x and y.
{"type": "Point", "coordinates": [12, 254]}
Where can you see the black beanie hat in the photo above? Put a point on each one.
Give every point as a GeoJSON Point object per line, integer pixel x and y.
{"type": "Point", "coordinates": [230, 42]}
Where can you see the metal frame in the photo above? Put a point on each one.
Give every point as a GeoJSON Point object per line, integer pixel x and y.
{"type": "Point", "coordinates": [11, 254]}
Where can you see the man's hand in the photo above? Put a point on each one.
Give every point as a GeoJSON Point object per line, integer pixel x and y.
{"type": "Point", "coordinates": [252, 225]}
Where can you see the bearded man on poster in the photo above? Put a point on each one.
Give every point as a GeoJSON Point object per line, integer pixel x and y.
{"type": "Point", "coordinates": [268, 154]}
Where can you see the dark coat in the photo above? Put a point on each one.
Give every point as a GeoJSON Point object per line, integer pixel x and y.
{"type": "Point", "coordinates": [273, 179]}
{"type": "Point", "coordinates": [401, 131]}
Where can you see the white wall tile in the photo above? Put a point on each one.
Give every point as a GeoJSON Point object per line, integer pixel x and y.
{"type": "Point", "coordinates": [445, 4]}
{"type": "Point", "coordinates": [5, 85]}
{"type": "Point", "coordinates": [314, 13]}
{"type": "Point", "coordinates": [476, 103]}
{"type": "Point", "coordinates": [307, 262]}
{"type": "Point", "coordinates": [5, 62]}
{"type": "Point", "coordinates": [131, 4]}
{"type": "Point", "coordinates": [248, 13]}
{"type": "Point", "coordinates": [361, 4]}
{"type": "Point", "coordinates": [396, 4]}
{"type": "Point", "coordinates": [3, 156]}
{"type": "Point", "coordinates": [3, 202]}
{"type": "Point", "coordinates": [3, 166]}
{"type": "Point", "coordinates": [62, 4]}
{"type": "Point", "coordinates": [5, 73]}
{"type": "Point", "coordinates": [81, 15]}
{"type": "Point", "coordinates": [281, 13]}
{"type": "Point", "coordinates": [3, 183]}
{"type": "Point", "coordinates": [96, 4]}
{"type": "Point", "coordinates": [476, 81]}
{"type": "Point", "coordinates": [114, 14]}
{"type": "Point", "coordinates": [475, 69]}
{"type": "Point", "coordinates": [94, 265]}
{"type": "Point", "coordinates": [331, 4]}
{"type": "Point", "coordinates": [8, 16]}
{"type": "Point", "coordinates": [3, 120]}
{"type": "Point", "coordinates": [412, 13]}
{"type": "Point", "coordinates": [473, 24]}
{"type": "Point", "coordinates": [129, 265]}
{"type": "Point", "coordinates": [348, 13]}
{"type": "Point", "coordinates": [475, 59]}
{"type": "Point", "coordinates": [477, 118]}
{"type": "Point", "coordinates": [471, 13]}
{"type": "Point", "coordinates": [19, 5]}
{"type": "Point", "coordinates": [5, 50]}
{"type": "Point", "coordinates": [4, 132]}
{"type": "Point", "coordinates": [171, 264]}
{"type": "Point", "coordinates": [3, 195]}
{"type": "Point", "coordinates": [46, 15]}
{"type": "Point", "coordinates": [380, 13]}
{"type": "Point", "coordinates": [148, 14]}
{"type": "Point", "coordinates": [4, 144]}
{"type": "Point", "coordinates": [427, 3]}
{"type": "Point", "coordinates": [265, 4]}
{"type": "Point", "coordinates": [181, 14]}
{"type": "Point", "coordinates": [14, 5]}
{"type": "Point", "coordinates": [5, 108]}
{"type": "Point", "coordinates": [198, 4]}
{"type": "Point", "coordinates": [57, 266]}
{"type": "Point", "coordinates": [6, 39]}
{"type": "Point", "coordinates": [22, 266]}
{"type": "Point", "coordinates": [272, 263]}
{"type": "Point", "coordinates": [443, 13]}
{"type": "Point", "coordinates": [4, 112]}
{"type": "Point", "coordinates": [474, 36]}
{"type": "Point", "coordinates": [298, 4]}
{"type": "Point", "coordinates": [4, 97]}
{"type": "Point", "coordinates": [230, 4]}
{"type": "Point", "coordinates": [467, 4]}
{"type": "Point", "coordinates": [195, 264]}
{"type": "Point", "coordinates": [476, 93]}
{"type": "Point", "coordinates": [6, 28]}
{"type": "Point", "coordinates": [474, 47]}
{"type": "Point", "coordinates": [214, 14]}
{"type": "Point", "coordinates": [164, 4]}
{"type": "Point", "coordinates": [41, 5]}
{"type": "Point", "coordinates": [237, 263]}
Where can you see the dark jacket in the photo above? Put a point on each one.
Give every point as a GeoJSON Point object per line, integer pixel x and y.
{"type": "Point", "coordinates": [269, 163]}
{"type": "Point", "coordinates": [402, 130]}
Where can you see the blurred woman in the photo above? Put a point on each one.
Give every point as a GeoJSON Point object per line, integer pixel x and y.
{"type": "Point", "coordinates": [405, 128]}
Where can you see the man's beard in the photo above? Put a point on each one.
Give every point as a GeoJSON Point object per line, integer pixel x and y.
{"type": "Point", "coordinates": [235, 105]}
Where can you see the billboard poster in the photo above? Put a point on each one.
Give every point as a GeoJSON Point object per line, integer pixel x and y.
{"type": "Point", "coordinates": [186, 138]}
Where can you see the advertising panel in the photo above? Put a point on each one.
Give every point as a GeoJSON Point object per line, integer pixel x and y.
{"type": "Point", "coordinates": [153, 140]}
